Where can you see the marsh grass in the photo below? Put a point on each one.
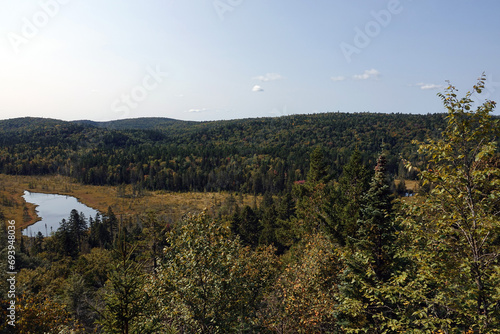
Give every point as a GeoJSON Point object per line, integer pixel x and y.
{"type": "Point", "coordinates": [121, 199]}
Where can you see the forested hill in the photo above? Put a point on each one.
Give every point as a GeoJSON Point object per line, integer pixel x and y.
{"type": "Point", "coordinates": [251, 155]}
{"type": "Point", "coordinates": [143, 123]}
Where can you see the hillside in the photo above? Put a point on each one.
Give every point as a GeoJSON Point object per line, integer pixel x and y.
{"type": "Point", "coordinates": [143, 123]}
{"type": "Point", "coordinates": [250, 155]}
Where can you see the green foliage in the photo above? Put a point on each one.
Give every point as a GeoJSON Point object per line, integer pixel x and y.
{"type": "Point", "coordinates": [252, 155]}
{"type": "Point", "coordinates": [209, 282]}
{"type": "Point", "coordinates": [353, 184]}
{"type": "Point", "coordinates": [303, 298]}
{"type": "Point", "coordinates": [247, 226]}
{"type": "Point", "coordinates": [342, 204]}
{"type": "Point", "coordinates": [63, 241]}
{"type": "Point", "coordinates": [38, 314]}
{"type": "Point", "coordinates": [94, 267]}
{"type": "Point", "coordinates": [318, 170]}
{"type": "Point", "coordinates": [100, 232]}
{"type": "Point", "coordinates": [152, 239]}
{"type": "Point", "coordinates": [455, 228]}
{"type": "Point", "coordinates": [125, 301]}
{"type": "Point", "coordinates": [376, 234]}
{"type": "Point", "coordinates": [365, 300]}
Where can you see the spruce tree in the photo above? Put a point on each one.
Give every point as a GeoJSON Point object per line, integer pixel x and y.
{"type": "Point", "coordinates": [318, 169]}
{"type": "Point", "coordinates": [353, 184]}
{"type": "Point", "coordinates": [376, 231]}
{"type": "Point", "coordinates": [247, 226]}
{"type": "Point", "coordinates": [77, 227]}
{"type": "Point", "coordinates": [125, 300]}
{"type": "Point", "coordinates": [365, 303]}
{"type": "Point", "coordinates": [341, 210]}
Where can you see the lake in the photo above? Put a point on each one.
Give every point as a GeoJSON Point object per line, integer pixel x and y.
{"type": "Point", "coordinates": [52, 208]}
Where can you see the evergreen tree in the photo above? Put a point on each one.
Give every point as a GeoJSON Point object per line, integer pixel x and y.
{"type": "Point", "coordinates": [269, 223]}
{"type": "Point", "coordinates": [125, 301]}
{"type": "Point", "coordinates": [111, 223]}
{"type": "Point", "coordinates": [247, 226]}
{"type": "Point", "coordinates": [63, 240]}
{"type": "Point", "coordinates": [153, 233]}
{"type": "Point", "coordinates": [365, 304]}
{"type": "Point", "coordinates": [376, 234]}
{"type": "Point", "coordinates": [37, 247]}
{"type": "Point", "coordinates": [353, 184]}
{"type": "Point", "coordinates": [341, 210]}
{"type": "Point", "coordinates": [77, 228]}
{"type": "Point", "coordinates": [318, 169]}
{"type": "Point", "coordinates": [286, 207]}
{"type": "Point", "coordinates": [100, 235]}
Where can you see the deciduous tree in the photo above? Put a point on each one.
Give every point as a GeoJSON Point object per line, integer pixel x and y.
{"type": "Point", "coordinates": [455, 229]}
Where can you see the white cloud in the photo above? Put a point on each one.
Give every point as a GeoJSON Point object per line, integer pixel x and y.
{"type": "Point", "coordinates": [269, 77]}
{"type": "Point", "coordinates": [426, 86]}
{"type": "Point", "coordinates": [257, 88]}
{"type": "Point", "coordinates": [338, 78]}
{"type": "Point", "coordinates": [368, 74]}
{"type": "Point", "coordinates": [197, 110]}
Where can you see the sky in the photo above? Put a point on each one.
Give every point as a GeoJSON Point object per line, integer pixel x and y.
{"type": "Point", "coordinates": [226, 59]}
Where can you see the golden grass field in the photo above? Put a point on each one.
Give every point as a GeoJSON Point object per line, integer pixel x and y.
{"type": "Point", "coordinates": [170, 204]}
{"type": "Point", "coordinates": [174, 205]}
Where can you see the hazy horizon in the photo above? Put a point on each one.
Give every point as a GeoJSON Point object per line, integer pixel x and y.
{"type": "Point", "coordinates": [216, 120]}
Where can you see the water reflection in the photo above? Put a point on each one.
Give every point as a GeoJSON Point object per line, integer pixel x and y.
{"type": "Point", "coordinates": [52, 209]}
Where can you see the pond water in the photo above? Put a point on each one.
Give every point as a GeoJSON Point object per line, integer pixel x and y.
{"type": "Point", "coordinates": [52, 208]}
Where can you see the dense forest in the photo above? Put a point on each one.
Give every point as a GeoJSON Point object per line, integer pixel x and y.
{"type": "Point", "coordinates": [251, 155]}
{"type": "Point", "coordinates": [332, 247]}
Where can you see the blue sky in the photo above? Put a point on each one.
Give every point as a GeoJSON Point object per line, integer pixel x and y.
{"type": "Point", "coordinates": [225, 59]}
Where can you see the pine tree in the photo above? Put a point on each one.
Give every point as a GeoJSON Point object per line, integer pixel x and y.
{"type": "Point", "coordinates": [125, 301]}
{"type": "Point", "coordinates": [77, 227]}
{"type": "Point", "coordinates": [111, 223]}
{"type": "Point", "coordinates": [100, 236]}
{"type": "Point", "coordinates": [353, 184]}
{"type": "Point", "coordinates": [341, 210]}
{"type": "Point", "coordinates": [365, 299]}
{"type": "Point", "coordinates": [318, 169]}
{"type": "Point", "coordinates": [63, 240]}
{"type": "Point", "coordinates": [376, 230]}
{"type": "Point", "coordinates": [247, 226]}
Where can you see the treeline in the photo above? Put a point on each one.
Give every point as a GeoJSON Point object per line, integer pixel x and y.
{"type": "Point", "coordinates": [252, 156]}
{"type": "Point", "coordinates": [333, 255]}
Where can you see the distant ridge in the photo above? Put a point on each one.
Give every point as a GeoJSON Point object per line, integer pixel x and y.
{"type": "Point", "coordinates": [181, 127]}
{"type": "Point", "coordinates": [142, 123]}
{"type": "Point", "coordinates": [23, 122]}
